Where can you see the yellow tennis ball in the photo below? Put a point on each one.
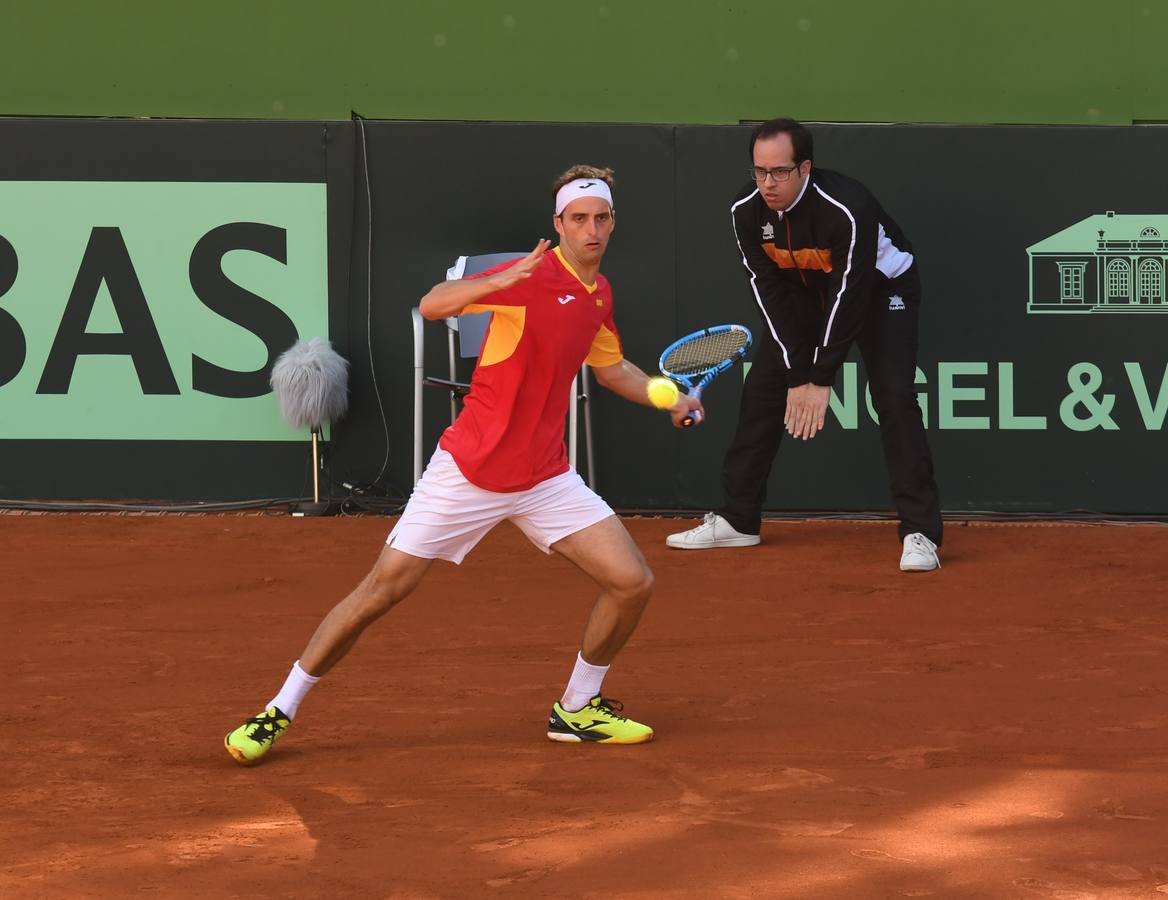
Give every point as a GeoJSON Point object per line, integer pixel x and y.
{"type": "Point", "coordinates": [662, 392]}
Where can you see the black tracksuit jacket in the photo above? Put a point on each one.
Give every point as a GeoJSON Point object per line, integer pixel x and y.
{"type": "Point", "coordinates": [814, 266]}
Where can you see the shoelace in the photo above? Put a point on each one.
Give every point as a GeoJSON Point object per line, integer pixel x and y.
{"type": "Point", "coordinates": [710, 520]}
{"type": "Point", "coordinates": [270, 724]}
{"type": "Point", "coordinates": [612, 707]}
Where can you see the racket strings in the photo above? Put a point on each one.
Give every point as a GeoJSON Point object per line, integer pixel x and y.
{"type": "Point", "coordinates": [705, 352]}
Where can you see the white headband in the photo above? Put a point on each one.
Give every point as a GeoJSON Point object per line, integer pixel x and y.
{"type": "Point", "coordinates": [582, 187]}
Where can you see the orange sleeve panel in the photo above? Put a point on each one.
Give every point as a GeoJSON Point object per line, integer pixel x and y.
{"type": "Point", "coordinates": [606, 349]}
{"type": "Point", "coordinates": [503, 333]}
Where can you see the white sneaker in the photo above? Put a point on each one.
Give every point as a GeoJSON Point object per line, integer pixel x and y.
{"type": "Point", "coordinates": [713, 532]}
{"type": "Point", "coordinates": [920, 554]}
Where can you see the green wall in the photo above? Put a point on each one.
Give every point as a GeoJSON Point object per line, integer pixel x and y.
{"type": "Point", "coordinates": [1012, 61]}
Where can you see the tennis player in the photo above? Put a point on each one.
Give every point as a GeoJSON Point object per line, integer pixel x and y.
{"type": "Point", "coordinates": [504, 458]}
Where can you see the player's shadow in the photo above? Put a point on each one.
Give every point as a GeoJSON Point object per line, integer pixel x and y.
{"type": "Point", "coordinates": [362, 839]}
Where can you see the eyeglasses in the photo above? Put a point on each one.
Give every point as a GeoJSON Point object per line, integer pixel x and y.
{"type": "Point", "coordinates": [779, 173]}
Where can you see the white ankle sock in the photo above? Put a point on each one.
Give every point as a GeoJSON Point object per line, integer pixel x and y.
{"type": "Point", "coordinates": [296, 686]}
{"type": "Point", "coordinates": [583, 685]}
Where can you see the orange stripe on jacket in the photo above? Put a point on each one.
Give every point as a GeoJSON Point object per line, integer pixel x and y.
{"type": "Point", "coordinates": [811, 258]}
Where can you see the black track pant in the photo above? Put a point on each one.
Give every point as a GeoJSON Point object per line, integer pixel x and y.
{"type": "Point", "coordinates": [888, 346]}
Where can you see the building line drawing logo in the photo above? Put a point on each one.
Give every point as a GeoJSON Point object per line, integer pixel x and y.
{"type": "Point", "coordinates": [768, 232]}
{"type": "Point", "coordinates": [1106, 263]}
{"type": "Point", "coordinates": [895, 302]}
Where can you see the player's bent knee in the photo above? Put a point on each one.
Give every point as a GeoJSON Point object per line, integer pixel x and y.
{"type": "Point", "coordinates": [369, 605]}
{"type": "Point", "coordinates": [394, 576]}
{"type": "Point", "coordinates": [382, 600]}
{"type": "Point", "coordinates": [638, 588]}
{"type": "Point", "coordinates": [381, 591]}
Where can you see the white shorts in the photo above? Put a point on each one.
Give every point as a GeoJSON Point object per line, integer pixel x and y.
{"type": "Point", "coordinates": [447, 515]}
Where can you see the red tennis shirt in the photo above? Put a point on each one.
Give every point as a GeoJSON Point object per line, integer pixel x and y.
{"type": "Point", "coordinates": [510, 433]}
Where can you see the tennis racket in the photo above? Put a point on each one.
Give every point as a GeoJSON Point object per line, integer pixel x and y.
{"type": "Point", "coordinates": [697, 359]}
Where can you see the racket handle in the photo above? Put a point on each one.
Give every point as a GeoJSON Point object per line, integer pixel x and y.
{"type": "Point", "coordinates": [694, 417]}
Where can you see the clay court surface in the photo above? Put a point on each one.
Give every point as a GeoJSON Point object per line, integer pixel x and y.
{"type": "Point", "coordinates": [827, 727]}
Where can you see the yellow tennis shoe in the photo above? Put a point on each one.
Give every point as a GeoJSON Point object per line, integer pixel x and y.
{"type": "Point", "coordinates": [251, 740]}
{"type": "Point", "coordinates": [600, 721]}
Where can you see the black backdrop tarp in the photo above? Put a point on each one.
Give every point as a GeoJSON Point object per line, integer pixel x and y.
{"type": "Point", "coordinates": [971, 199]}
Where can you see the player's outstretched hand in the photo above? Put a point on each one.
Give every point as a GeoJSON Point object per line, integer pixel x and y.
{"type": "Point", "coordinates": [806, 410]}
{"type": "Point", "coordinates": [522, 269]}
{"type": "Point", "coordinates": [684, 409]}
